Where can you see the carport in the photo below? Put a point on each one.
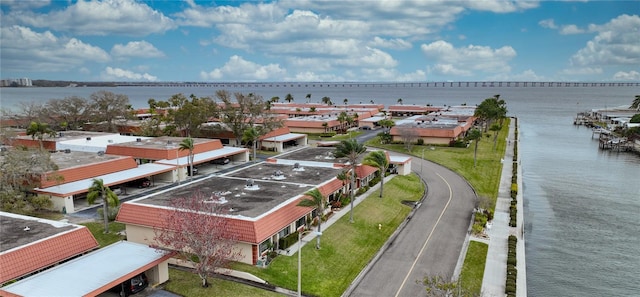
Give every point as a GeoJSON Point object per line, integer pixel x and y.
{"type": "Point", "coordinates": [62, 195]}
{"type": "Point", "coordinates": [95, 272]}
{"type": "Point", "coordinates": [281, 142]}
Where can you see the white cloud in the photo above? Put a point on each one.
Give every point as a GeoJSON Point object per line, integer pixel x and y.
{"type": "Point", "coordinates": [465, 61]}
{"type": "Point", "coordinates": [391, 43]}
{"type": "Point", "coordinates": [118, 74]}
{"type": "Point", "coordinates": [548, 23]}
{"type": "Point", "coordinates": [45, 51]}
{"type": "Point", "coordinates": [22, 4]}
{"type": "Point", "coordinates": [617, 43]}
{"type": "Point", "coordinates": [107, 17]}
{"type": "Point", "coordinates": [141, 49]}
{"type": "Point", "coordinates": [241, 69]}
{"type": "Point", "coordinates": [631, 75]}
{"type": "Point", "coordinates": [501, 6]}
{"type": "Point", "coordinates": [571, 29]}
{"type": "Point", "coordinates": [582, 71]}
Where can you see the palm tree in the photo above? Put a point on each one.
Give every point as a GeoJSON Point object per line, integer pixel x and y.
{"type": "Point", "coordinates": [326, 100]}
{"type": "Point", "coordinates": [379, 160]}
{"type": "Point", "coordinates": [636, 103]}
{"type": "Point", "coordinates": [350, 149]}
{"type": "Point", "coordinates": [476, 136]}
{"type": "Point", "coordinates": [288, 98]}
{"type": "Point", "coordinates": [187, 144]}
{"type": "Point", "coordinates": [308, 97]}
{"type": "Point", "coordinates": [109, 198]}
{"type": "Point", "coordinates": [400, 101]}
{"type": "Point", "coordinates": [39, 130]}
{"type": "Point", "coordinates": [251, 135]}
{"type": "Point", "coordinates": [342, 118]}
{"type": "Point", "coordinates": [325, 125]}
{"type": "Point", "coordinates": [317, 200]}
{"type": "Point", "coordinates": [495, 128]}
{"type": "Point", "coordinates": [275, 99]}
{"type": "Point", "coordinates": [345, 101]}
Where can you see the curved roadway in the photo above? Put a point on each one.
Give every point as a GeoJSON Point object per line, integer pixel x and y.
{"type": "Point", "coordinates": [430, 243]}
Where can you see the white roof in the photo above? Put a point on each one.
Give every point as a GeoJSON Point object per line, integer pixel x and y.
{"type": "Point", "coordinates": [204, 157]}
{"type": "Point", "coordinates": [373, 119]}
{"type": "Point", "coordinates": [285, 137]}
{"type": "Point", "coordinates": [398, 159]}
{"type": "Point", "coordinates": [96, 144]}
{"type": "Point", "coordinates": [88, 273]}
{"type": "Point", "coordinates": [108, 179]}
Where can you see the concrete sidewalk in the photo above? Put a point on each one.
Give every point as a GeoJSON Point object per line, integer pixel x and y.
{"type": "Point", "coordinates": [495, 272]}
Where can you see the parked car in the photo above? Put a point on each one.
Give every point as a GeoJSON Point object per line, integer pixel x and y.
{"type": "Point", "coordinates": [220, 161]}
{"type": "Point", "coordinates": [195, 170]}
{"type": "Point", "coordinates": [131, 286]}
{"type": "Point", "coordinates": [140, 183]}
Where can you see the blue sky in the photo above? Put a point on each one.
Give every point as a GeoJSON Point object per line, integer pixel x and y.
{"type": "Point", "coordinates": [329, 40]}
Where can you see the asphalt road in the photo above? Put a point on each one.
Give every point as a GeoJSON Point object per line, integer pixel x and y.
{"type": "Point", "coordinates": [430, 243]}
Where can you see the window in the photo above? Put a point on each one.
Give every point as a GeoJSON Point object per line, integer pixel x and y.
{"type": "Point", "coordinates": [301, 222]}
{"type": "Point", "coordinates": [265, 245]}
{"type": "Point", "coordinates": [284, 232]}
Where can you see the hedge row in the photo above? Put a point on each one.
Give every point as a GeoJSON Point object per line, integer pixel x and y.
{"type": "Point", "coordinates": [512, 271]}
{"type": "Point", "coordinates": [513, 209]}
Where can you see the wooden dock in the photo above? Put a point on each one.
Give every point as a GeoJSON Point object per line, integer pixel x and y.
{"type": "Point", "coordinates": [609, 141]}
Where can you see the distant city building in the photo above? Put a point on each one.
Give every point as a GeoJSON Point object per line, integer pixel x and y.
{"type": "Point", "coordinates": [19, 82]}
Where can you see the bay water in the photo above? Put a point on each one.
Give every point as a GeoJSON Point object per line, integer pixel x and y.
{"type": "Point", "coordinates": [582, 204]}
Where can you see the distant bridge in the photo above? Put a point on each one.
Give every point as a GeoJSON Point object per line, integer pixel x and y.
{"type": "Point", "coordinates": [488, 84]}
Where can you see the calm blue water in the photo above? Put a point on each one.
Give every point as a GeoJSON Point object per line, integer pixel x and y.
{"type": "Point", "coordinates": [582, 205]}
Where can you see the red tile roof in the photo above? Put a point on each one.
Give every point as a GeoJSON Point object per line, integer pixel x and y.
{"type": "Point", "coordinates": [21, 261]}
{"type": "Point", "coordinates": [244, 230]}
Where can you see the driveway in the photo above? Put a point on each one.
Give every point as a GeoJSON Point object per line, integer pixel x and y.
{"type": "Point", "coordinates": [430, 243]}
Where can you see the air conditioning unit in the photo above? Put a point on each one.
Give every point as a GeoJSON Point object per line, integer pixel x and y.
{"type": "Point", "coordinates": [88, 138]}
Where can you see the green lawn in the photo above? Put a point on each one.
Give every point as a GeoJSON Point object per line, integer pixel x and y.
{"type": "Point", "coordinates": [97, 229]}
{"type": "Point", "coordinates": [346, 248]}
{"type": "Point", "coordinates": [473, 267]}
{"type": "Point", "coordinates": [188, 284]}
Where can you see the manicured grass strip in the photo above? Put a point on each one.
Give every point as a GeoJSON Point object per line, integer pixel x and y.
{"type": "Point", "coordinates": [473, 268]}
{"type": "Point", "coordinates": [186, 283]}
{"type": "Point", "coordinates": [346, 248]}
{"type": "Point", "coordinates": [97, 229]}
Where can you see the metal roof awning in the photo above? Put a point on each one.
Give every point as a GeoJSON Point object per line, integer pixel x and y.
{"type": "Point", "coordinates": [204, 157]}
{"type": "Point", "coordinates": [90, 274]}
{"type": "Point", "coordinates": [284, 137]}
{"type": "Point", "coordinates": [110, 179]}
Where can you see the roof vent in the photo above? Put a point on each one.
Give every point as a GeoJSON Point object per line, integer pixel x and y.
{"type": "Point", "coordinates": [61, 134]}
{"type": "Point", "coordinates": [138, 139]}
{"type": "Point", "coordinates": [67, 151]}
{"type": "Point", "coordinates": [88, 138]}
{"type": "Point", "coordinates": [101, 153]}
{"type": "Point", "coordinates": [110, 141]}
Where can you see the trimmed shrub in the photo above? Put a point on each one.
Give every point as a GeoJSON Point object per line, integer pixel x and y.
{"type": "Point", "coordinates": [288, 240]}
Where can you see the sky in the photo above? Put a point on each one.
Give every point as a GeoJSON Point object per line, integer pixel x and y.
{"type": "Point", "coordinates": [320, 41]}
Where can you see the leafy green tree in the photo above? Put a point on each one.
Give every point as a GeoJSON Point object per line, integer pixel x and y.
{"type": "Point", "coordinates": [275, 99]}
{"type": "Point", "coordinates": [109, 107]}
{"type": "Point", "coordinates": [635, 118]}
{"type": "Point", "coordinates": [39, 130]}
{"type": "Point", "coordinates": [636, 103]}
{"type": "Point", "coordinates": [345, 101]}
{"type": "Point", "coordinates": [475, 135]}
{"type": "Point", "coordinates": [188, 145]}
{"type": "Point", "coordinates": [326, 100]}
{"type": "Point", "coordinates": [351, 149]}
{"type": "Point", "coordinates": [379, 160]}
{"type": "Point", "coordinates": [386, 124]}
{"type": "Point", "coordinates": [317, 200]}
{"type": "Point", "coordinates": [20, 172]}
{"type": "Point", "coordinates": [188, 114]}
{"type": "Point", "coordinates": [244, 112]}
{"type": "Point", "coordinates": [491, 109]}
{"type": "Point", "coordinates": [343, 117]}
{"type": "Point", "coordinates": [109, 198]}
{"type": "Point", "coordinates": [325, 125]}
{"type": "Point", "coordinates": [74, 111]}
{"type": "Point", "coordinates": [399, 101]}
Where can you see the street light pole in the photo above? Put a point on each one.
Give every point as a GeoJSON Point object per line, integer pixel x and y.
{"type": "Point", "coordinates": [422, 160]}
{"type": "Point", "coordinates": [300, 234]}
